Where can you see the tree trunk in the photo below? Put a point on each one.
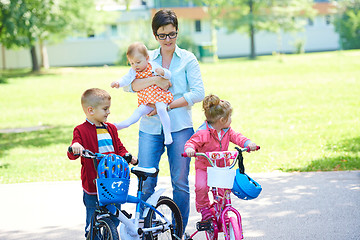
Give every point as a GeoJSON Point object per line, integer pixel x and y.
{"type": "Point", "coordinates": [35, 65]}
{"type": "Point", "coordinates": [252, 31]}
{"type": "Point", "coordinates": [214, 41]}
{"type": "Point", "coordinates": [3, 57]}
{"type": "Point", "coordinates": [44, 56]}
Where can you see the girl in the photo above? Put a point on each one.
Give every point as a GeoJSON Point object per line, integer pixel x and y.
{"type": "Point", "coordinates": [213, 135]}
{"type": "Point", "coordinates": [138, 58]}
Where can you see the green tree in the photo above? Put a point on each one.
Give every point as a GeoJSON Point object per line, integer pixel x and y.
{"type": "Point", "coordinates": [24, 23]}
{"type": "Point", "coordinates": [251, 16]}
{"type": "Point", "coordinates": [347, 23]}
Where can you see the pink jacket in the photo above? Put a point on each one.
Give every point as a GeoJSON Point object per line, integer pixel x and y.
{"type": "Point", "coordinates": [206, 140]}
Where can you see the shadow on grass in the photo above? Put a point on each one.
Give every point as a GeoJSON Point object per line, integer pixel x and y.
{"type": "Point", "coordinates": [20, 73]}
{"type": "Point", "coordinates": [34, 139]}
{"type": "Point", "coordinates": [346, 161]}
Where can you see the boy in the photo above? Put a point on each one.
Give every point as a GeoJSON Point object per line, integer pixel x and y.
{"type": "Point", "coordinates": [96, 135]}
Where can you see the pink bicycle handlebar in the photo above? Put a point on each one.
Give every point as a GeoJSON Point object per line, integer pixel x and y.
{"type": "Point", "coordinates": [246, 149]}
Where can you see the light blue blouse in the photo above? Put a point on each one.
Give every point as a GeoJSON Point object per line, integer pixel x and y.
{"type": "Point", "coordinates": [186, 82]}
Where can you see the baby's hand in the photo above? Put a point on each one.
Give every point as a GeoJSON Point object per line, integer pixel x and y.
{"type": "Point", "coordinates": [190, 152]}
{"type": "Point", "coordinates": [252, 146]}
{"type": "Point", "coordinates": [77, 148]}
{"type": "Point", "coordinates": [115, 84]}
{"type": "Point", "coordinates": [160, 71]}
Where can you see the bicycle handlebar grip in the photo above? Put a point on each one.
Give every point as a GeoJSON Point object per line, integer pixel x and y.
{"type": "Point", "coordinates": [184, 154]}
{"type": "Point", "coordinates": [70, 149]}
{"type": "Point", "coordinates": [248, 148]}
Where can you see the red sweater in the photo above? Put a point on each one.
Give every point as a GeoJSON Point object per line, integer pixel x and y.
{"type": "Point", "coordinates": [86, 135]}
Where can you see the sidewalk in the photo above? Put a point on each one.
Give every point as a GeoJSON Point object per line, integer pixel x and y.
{"type": "Point", "coordinates": [320, 205]}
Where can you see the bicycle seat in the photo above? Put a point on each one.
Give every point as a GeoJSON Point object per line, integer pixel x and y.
{"type": "Point", "coordinates": [142, 172]}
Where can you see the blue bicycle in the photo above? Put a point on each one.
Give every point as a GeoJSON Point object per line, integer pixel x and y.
{"type": "Point", "coordinates": [160, 218]}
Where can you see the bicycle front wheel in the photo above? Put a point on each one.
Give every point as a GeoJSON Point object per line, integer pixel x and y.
{"type": "Point", "coordinates": [233, 229]}
{"type": "Point", "coordinates": [104, 229]}
{"type": "Point", "coordinates": [170, 210]}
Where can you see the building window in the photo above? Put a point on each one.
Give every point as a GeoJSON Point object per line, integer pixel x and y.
{"type": "Point", "coordinates": [197, 26]}
{"type": "Point", "coordinates": [310, 22]}
{"type": "Point", "coordinates": [114, 30]}
{"type": "Point", "coordinates": [327, 19]}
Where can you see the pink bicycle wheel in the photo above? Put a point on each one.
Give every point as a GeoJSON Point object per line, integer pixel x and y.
{"type": "Point", "coordinates": [234, 229]}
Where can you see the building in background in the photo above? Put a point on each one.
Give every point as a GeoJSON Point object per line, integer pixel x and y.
{"type": "Point", "coordinates": [108, 47]}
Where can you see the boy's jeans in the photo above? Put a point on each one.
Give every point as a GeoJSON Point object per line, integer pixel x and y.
{"type": "Point", "coordinates": [90, 202]}
{"type": "Point", "coordinates": [151, 147]}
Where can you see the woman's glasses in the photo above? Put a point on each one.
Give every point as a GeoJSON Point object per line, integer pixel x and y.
{"type": "Point", "coordinates": [163, 36]}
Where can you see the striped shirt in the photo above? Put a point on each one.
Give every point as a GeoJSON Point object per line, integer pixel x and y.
{"type": "Point", "coordinates": [104, 140]}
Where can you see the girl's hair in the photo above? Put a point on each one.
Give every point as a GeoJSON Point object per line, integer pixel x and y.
{"type": "Point", "coordinates": [137, 47]}
{"type": "Point", "coordinates": [216, 109]}
{"type": "Point", "coordinates": [162, 18]}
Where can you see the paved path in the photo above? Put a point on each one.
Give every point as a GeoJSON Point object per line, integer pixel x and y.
{"type": "Point", "coordinates": [321, 205]}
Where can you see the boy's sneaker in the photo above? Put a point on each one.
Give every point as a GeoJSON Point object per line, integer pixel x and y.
{"type": "Point", "coordinates": [207, 213]}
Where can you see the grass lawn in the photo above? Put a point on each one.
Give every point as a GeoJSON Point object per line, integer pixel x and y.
{"type": "Point", "coordinates": [303, 110]}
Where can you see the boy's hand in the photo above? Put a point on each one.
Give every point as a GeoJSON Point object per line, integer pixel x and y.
{"type": "Point", "coordinates": [160, 71]}
{"type": "Point", "coordinates": [190, 152]}
{"type": "Point", "coordinates": [252, 146]}
{"type": "Point", "coordinates": [134, 160]}
{"type": "Point", "coordinates": [115, 84]}
{"type": "Point", "coordinates": [77, 148]}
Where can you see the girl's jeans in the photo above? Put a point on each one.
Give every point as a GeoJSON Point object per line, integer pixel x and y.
{"type": "Point", "coordinates": [151, 147]}
{"type": "Point", "coordinates": [202, 190]}
{"type": "Point", "coordinates": [90, 202]}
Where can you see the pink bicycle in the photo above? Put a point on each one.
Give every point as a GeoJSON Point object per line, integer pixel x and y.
{"type": "Point", "coordinates": [226, 218]}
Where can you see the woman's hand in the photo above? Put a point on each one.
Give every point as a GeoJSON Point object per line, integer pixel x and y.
{"type": "Point", "coordinates": [163, 83]}
{"type": "Point", "coordinates": [153, 112]}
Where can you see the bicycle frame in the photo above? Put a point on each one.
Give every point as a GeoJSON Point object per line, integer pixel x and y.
{"type": "Point", "coordinates": [131, 229]}
{"type": "Point", "coordinates": [221, 204]}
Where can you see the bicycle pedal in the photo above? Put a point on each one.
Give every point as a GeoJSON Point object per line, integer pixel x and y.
{"type": "Point", "coordinates": [204, 225]}
{"type": "Point", "coordinates": [128, 215]}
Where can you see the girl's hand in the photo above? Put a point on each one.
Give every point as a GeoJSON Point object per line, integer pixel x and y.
{"type": "Point", "coordinates": [252, 146]}
{"type": "Point", "coordinates": [115, 84]}
{"type": "Point", "coordinates": [77, 148]}
{"type": "Point", "coordinates": [190, 152]}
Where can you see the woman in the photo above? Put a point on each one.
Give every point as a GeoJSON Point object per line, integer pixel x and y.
{"type": "Point", "coordinates": [187, 88]}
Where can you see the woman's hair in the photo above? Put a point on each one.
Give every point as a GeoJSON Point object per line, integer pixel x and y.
{"type": "Point", "coordinates": [94, 97]}
{"type": "Point", "coordinates": [216, 109]}
{"type": "Point", "coordinates": [137, 47]}
{"type": "Point", "coordinates": [162, 18]}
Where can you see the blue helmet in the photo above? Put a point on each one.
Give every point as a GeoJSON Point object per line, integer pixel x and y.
{"type": "Point", "coordinates": [245, 187]}
{"type": "Point", "coordinates": [113, 166]}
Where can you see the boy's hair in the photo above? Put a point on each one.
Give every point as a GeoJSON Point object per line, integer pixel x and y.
{"type": "Point", "coordinates": [162, 18]}
{"type": "Point", "coordinates": [137, 47]}
{"type": "Point", "coordinates": [215, 108]}
{"type": "Point", "coordinates": [93, 97]}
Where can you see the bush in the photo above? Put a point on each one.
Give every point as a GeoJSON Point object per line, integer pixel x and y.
{"type": "Point", "coordinates": [347, 24]}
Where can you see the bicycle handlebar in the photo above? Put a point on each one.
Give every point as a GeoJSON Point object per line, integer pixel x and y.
{"type": "Point", "coordinates": [89, 154]}
{"type": "Point", "coordinates": [246, 149]}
